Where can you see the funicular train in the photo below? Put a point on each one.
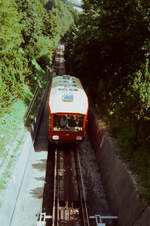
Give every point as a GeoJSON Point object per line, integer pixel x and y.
{"type": "Point", "coordinates": [68, 110]}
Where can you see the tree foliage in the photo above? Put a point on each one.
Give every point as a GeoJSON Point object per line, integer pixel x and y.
{"type": "Point", "coordinates": [64, 14]}
{"type": "Point", "coordinates": [109, 49]}
{"type": "Point", "coordinates": [29, 35]}
{"type": "Point", "coordinates": [11, 59]}
{"type": "Point", "coordinates": [110, 45]}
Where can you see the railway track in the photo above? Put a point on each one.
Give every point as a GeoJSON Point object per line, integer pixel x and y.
{"type": "Point", "coordinates": [62, 182]}
{"type": "Point", "coordinates": [59, 67]}
{"type": "Point", "coordinates": [69, 204]}
{"type": "Point", "coordinates": [64, 200]}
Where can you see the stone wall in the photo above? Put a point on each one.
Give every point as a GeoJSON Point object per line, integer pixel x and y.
{"type": "Point", "coordinates": [118, 182]}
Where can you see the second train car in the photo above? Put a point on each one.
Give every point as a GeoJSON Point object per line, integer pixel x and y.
{"type": "Point", "coordinates": [68, 110]}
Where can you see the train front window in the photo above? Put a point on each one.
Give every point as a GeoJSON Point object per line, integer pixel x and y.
{"type": "Point", "coordinates": [68, 122]}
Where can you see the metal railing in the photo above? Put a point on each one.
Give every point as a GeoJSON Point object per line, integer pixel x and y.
{"type": "Point", "coordinates": [31, 104]}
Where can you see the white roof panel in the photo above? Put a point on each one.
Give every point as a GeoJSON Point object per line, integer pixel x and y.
{"type": "Point", "coordinates": [67, 95]}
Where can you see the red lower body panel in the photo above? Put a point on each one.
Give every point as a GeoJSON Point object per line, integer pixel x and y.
{"type": "Point", "coordinates": [66, 136]}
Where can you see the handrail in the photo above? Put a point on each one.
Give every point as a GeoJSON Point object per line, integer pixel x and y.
{"type": "Point", "coordinates": [31, 103]}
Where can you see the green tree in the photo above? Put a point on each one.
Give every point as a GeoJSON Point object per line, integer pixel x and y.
{"type": "Point", "coordinates": [10, 30]}
{"type": "Point", "coordinates": [11, 58]}
{"type": "Point", "coordinates": [111, 42]}
{"type": "Point", "coordinates": [109, 50]}
{"type": "Point", "coordinates": [29, 35]}
{"type": "Point", "coordinates": [32, 12]}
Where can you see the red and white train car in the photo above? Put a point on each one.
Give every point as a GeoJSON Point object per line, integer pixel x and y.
{"type": "Point", "coordinates": [68, 110]}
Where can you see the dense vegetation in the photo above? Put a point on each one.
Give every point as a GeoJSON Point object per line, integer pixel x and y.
{"type": "Point", "coordinates": [109, 49]}
{"type": "Point", "coordinates": [29, 35]}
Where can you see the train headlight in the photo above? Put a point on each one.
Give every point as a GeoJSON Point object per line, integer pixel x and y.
{"type": "Point", "coordinates": [78, 138]}
{"type": "Point", "coordinates": [55, 137]}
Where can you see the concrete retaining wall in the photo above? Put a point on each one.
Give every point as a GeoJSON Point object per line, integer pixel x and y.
{"type": "Point", "coordinates": [118, 181]}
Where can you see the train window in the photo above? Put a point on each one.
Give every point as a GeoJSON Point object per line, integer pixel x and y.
{"type": "Point", "coordinates": [67, 97]}
{"type": "Point", "coordinates": [60, 84]}
{"type": "Point", "coordinates": [61, 89]}
{"type": "Point", "coordinates": [67, 122]}
{"type": "Point", "coordinates": [71, 121]}
{"type": "Point", "coordinates": [80, 123]}
{"type": "Point", "coordinates": [49, 122]}
{"type": "Point", "coordinates": [56, 123]}
{"type": "Point", "coordinates": [66, 77]}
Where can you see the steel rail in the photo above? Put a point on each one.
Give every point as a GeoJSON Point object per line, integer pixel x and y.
{"type": "Point", "coordinates": [56, 207]}
{"type": "Point", "coordinates": [82, 194]}
{"type": "Point", "coordinates": [57, 194]}
{"type": "Point", "coordinates": [55, 190]}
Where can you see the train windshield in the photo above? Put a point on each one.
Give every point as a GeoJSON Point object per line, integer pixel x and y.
{"type": "Point", "coordinates": [68, 122]}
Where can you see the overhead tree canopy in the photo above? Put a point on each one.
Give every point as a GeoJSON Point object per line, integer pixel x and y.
{"type": "Point", "coordinates": [109, 45]}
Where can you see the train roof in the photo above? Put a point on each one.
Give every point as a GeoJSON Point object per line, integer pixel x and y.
{"type": "Point", "coordinates": [67, 96]}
